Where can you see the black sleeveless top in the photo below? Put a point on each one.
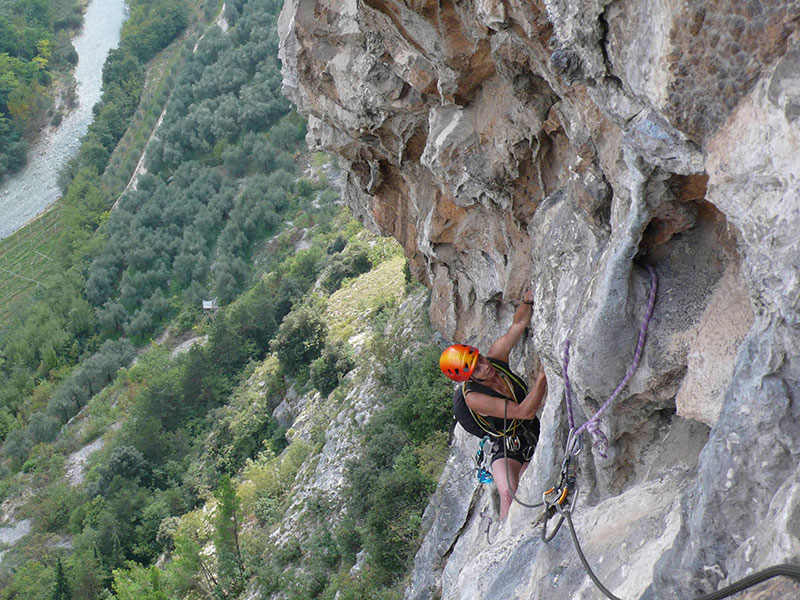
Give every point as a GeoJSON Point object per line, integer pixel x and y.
{"type": "Point", "coordinates": [492, 426]}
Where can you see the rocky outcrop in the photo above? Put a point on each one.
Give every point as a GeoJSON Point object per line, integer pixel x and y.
{"type": "Point", "coordinates": [562, 145]}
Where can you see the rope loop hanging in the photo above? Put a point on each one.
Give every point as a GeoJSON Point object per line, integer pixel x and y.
{"type": "Point", "coordinates": [574, 446]}
{"type": "Point", "coordinates": [593, 424]}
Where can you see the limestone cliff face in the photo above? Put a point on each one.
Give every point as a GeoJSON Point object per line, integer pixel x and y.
{"type": "Point", "coordinates": [563, 144]}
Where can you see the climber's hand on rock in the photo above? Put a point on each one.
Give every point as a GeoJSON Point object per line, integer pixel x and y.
{"type": "Point", "coordinates": [527, 297]}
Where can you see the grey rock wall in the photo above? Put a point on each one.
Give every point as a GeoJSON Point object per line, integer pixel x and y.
{"type": "Point", "coordinates": [564, 145]}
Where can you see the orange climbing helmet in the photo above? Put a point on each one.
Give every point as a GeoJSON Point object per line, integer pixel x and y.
{"type": "Point", "coordinates": [458, 361]}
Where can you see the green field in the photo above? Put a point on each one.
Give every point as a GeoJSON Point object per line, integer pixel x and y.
{"type": "Point", "coordinates": [25, 260]}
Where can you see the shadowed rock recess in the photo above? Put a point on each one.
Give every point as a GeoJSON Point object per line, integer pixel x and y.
{"type": "Point", "coordinates": [564, 144]}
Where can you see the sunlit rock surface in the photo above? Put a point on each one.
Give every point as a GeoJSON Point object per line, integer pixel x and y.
{"type": "Point", "coordinates": [564, 145]}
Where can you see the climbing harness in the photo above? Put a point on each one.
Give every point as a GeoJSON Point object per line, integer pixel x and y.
{"type": "Point", "coordinates": [505, 461]}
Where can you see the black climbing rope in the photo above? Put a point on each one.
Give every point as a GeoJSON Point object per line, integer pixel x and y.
{"type": "Point", "coordinates": [735, 587]}
{"type": "Point", "coordinates": [568, 515]}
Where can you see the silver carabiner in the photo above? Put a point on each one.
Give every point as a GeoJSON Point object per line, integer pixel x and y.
{"type": "Point", "coordinates": [512, 443]}
{"type": "Point", "coordinates": [573, 443]}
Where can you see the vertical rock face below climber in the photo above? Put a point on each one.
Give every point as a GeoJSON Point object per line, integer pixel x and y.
{"type": "Point", "coordinates": [564, 144]}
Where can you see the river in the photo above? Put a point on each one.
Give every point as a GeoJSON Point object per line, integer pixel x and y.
{"type": "Point", "coordinates": [32, 190]}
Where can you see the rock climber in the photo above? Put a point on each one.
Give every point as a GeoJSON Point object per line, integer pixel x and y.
{"type": "Point", "coordinates": [489, 391]}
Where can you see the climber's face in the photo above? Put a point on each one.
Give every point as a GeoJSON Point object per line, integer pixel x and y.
{"type": "Point", "coordinates": [483, 369]}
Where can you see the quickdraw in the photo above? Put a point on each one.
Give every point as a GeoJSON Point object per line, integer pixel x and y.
{"type": "Point", "coordinates": [561, 498]}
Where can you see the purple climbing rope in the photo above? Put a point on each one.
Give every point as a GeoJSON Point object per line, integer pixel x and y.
{"type": "Point", "coordinates": [593, 424]}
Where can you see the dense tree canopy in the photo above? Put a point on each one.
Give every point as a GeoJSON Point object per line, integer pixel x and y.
{"type": "Point", "coordinates": [35, 44]}
{"type": "Point", "coordinates": [32, 45]}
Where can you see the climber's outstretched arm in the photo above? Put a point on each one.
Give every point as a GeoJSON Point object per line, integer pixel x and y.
{"type": "Point", "coordinates": [501, 349]}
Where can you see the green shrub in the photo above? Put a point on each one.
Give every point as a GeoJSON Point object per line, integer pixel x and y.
{"type": "Point", "coordinates": [304, 187]}
{"type": "Point", "coordinates": [334, 363]}
{"type": "Point", "coordinates": [300, 338]}
{"type": "Point", "coordinates": [30, 579]}
{"type": "Point", "coordinates": [352, 262]}
{"type": "Point", "coordinates": [337, 245]}
{"type": "Point", "coordinates": [227, 524]}
{"type": "Point", "coordinates": [138, 583]}
{"type": "Point", "coordinates": [53, 506]}
{"type": "Point", "coordinates": [271, 476]}
{"type": "Point", "coordinates": [268, 510]}
{"type": "Point", "coordinates": [395, 515]}
{"type": "Point", "coordinates": [348, 540]}
{"type": "Point", "coordinates": [289, 552]}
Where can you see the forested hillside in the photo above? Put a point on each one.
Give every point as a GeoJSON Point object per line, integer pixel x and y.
{"type": "Point", "coordinates": [50, 332]}
{"type": "Point", "coordinates": [195, 482]}
{"type": "Point", "coordinates": [34, 48]}
{"type": "Point", "coordinates": [36, 60]}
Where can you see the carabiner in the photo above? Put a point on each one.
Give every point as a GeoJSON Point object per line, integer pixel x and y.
{"type": "Point", "coordinates": [568, 472]}
{"type": "Point", "coordinates": [479, 455]}
{"type": "Point", "coordinates": [512, 443]}
{"type": "Point", "coordinates": [573, 443]}
{"type": "Point", "coordinates": [562, 510]}
{"type": "Point", "coordinates": [485, 476]}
